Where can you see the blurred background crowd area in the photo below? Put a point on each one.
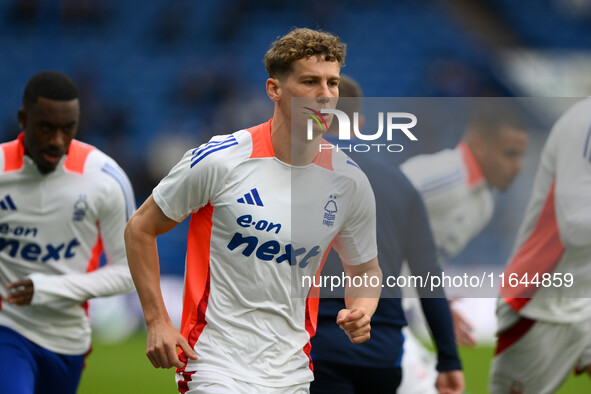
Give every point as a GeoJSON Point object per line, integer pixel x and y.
{"type": "Point", "coordinates": [158, 77]}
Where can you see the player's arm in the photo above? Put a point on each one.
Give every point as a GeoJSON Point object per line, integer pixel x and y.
{"type": "Point", "coordinates": [421, 257]}
{"type": "Point", "coordinates": [140, 240]}
{"type": "Point", "coordinates": [188, 187]}
{"type": "Point", "coordinates": [361, 301]}
{"type": "Point", "coordinates": [357, 247]}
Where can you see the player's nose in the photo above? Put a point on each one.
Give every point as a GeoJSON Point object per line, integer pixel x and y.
{"type": "Point", "coordinates": [58, 139]}
{"type": "Point", "coordinates": [324, 93]}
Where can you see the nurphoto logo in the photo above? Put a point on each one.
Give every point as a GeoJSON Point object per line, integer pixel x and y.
{"type": "Point", "coordinates": [395, 122]}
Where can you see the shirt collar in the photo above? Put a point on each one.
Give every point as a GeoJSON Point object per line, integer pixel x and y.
{"type": "Point", "coordinates": [475, 174]}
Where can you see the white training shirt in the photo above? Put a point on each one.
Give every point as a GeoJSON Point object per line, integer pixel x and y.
{"type": "Point", "coordinates": [458, 200]}
{"type": "Point", "coordinates": [555, 235]}
{"type": "Point", "coordinates": [257, 226]}
{"type": "Point", "coordinates": [53, 229]}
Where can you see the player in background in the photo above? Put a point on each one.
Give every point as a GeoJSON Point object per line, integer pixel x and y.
{"type": "Point", "coordinates": [258, 203]}
{"type": "Point", "coordinates": [62, 202]}
{"type": "Point", "coordinates": [403, 234]}
{"type": "Point", "coordinates": [455, 185]}
{"type": "Point", "coordinates": [543, 329]}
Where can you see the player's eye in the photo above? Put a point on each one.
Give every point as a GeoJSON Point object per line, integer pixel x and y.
{"type": "Point", "coordinates": [68, 128]}
{"type": "Point", "coordinates": [45, 128]}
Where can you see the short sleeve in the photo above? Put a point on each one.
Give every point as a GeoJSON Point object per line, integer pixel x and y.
{"type": "Point", "coordinates": [356, 242]}
{"type": "Point", "coordinates": [192, 183]}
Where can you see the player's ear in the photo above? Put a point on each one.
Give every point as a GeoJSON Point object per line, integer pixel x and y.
{"type": "Point", "coordinates": [22, 118]}
{"type": "Point", "coordinates": [273, 89]}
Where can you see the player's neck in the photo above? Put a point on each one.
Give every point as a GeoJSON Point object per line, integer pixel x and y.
{"type": "Point", "coordinates": [291, 149]}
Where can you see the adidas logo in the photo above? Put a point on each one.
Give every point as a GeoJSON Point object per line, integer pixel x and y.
{"type": "Point", "coordinates": [6, 204]}
{"type": "Point", "coordinates": [252, 198]}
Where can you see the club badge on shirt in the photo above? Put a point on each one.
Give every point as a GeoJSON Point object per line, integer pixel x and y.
{"type": "Point", "coordinates": [80, 207]}
{"type": "Point", "coordinates": [330, 210]}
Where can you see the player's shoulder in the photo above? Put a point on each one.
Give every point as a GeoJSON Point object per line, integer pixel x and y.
{"type": "Point", "coordinates": [2, 159]}
{"type": "Point", "coordinates": [343, 164]}
{"type": "Point", "coordinates": [348, 172]}
{"type": "Point", "coordinates": [580, 108]}
{"type": "Point", "coordinates": [575, 118]}
{"type": "Point", "coordinates": [6, 144]}
{"type": "Point", "coordinates": [444, 163]}
{"type": "Point", "coordinates": [223, 150]}
{"type": "Point", "coordinates": [11, 154]}
{"type": "Point", "coordinates": [104, 172]}
{"type": "Point", "coordinates": [88, 159]}
{"type": "Point", "coordinates": [570, 132]}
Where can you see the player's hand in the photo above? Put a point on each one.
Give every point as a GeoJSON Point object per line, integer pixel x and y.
{"type": "Point", "coordinates": [21, 292]}
{"type": "Point", "coordinates": [463, 329]}
{"type": "Point", "coordinates": [450, 382]}
{"type": "Point", "coordinates": [355, 323]}
{"type": "Point", "coordinates": [161, 345]}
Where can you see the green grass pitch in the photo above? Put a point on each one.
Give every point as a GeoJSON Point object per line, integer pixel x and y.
{"type": "Point", "coordinates": [123, 368]}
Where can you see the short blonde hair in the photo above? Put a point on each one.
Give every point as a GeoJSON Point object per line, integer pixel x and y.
{"type": "Point", "coordinates": [303, 43]}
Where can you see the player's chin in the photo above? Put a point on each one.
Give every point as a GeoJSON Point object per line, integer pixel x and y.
{"type": "Point", "coordinates": [46, 167]}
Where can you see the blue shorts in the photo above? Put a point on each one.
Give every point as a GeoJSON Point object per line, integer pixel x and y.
{"type": "Point", "coordinates": [28, 368]}
{"type": "Point", "coordinates": [330, 378]}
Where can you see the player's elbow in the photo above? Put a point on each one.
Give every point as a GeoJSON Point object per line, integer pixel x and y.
{"type": "Point", "coordinates": [128, 232]}
{"type": "Point", "coordinates": [132, 228]}
{"type": "Point", "coordinates": [373, 270]}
